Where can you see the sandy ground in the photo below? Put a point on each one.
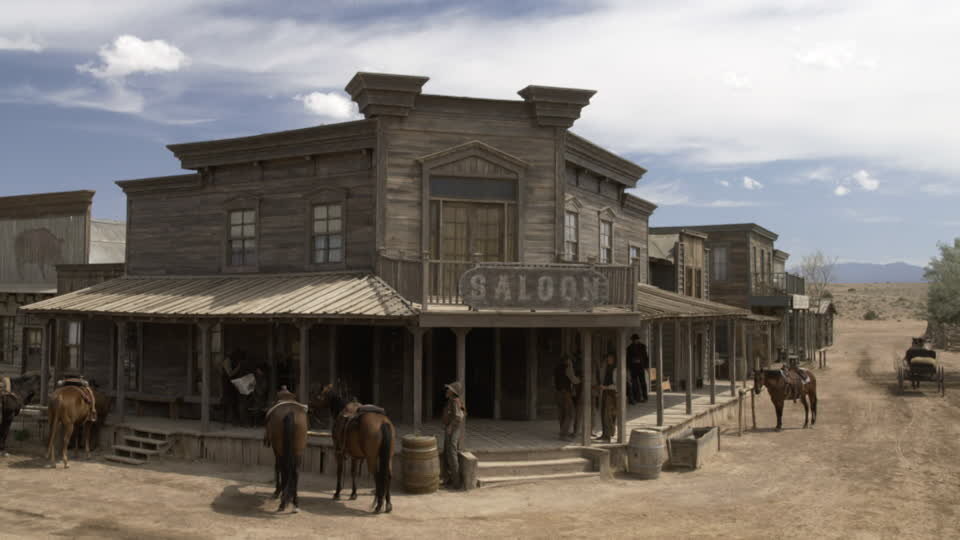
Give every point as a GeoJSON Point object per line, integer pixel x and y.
{"type": "Point", "coordinates": [890, 301]}
{"type": "Point", "coordinates": [877, 465]}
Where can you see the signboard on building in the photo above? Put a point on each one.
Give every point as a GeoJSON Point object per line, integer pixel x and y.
{"type": "Point", "coordinates": [801, 301]}
{"type": "Point", "coordinates": [533, 287]}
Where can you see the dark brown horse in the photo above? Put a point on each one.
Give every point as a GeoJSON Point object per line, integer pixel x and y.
{"type": "Point", "coordinates": [788, 386]}
{"type": "Point", "coordinates": [15, 394]}
{"type": "Point", "coordinates": [361, 432]}
{"type": "Point", "coordinates": [286, 432]}
{"type": "Point", "coordinates": [103, 403]}
{"type": "Point", "coordinates": [69, 406]}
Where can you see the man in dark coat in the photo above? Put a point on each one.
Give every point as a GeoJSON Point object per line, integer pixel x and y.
{"type": "Point", "coordinates": [454, 424]}
{"type": "Point", "coordinates": [565, 381]}
{"type": "Point", "coordinates": [638, 362]}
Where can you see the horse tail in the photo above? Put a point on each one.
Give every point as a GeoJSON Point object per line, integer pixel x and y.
{"type": "Point", "coordinates": [383, 466]}
{"type": "Point", "coordinates": [289, 462]}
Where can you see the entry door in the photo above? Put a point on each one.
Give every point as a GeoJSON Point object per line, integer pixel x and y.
{"type": "Point", "coordinates": [468, 228]}
{"type": "Point", "coordinates": [32, 348]}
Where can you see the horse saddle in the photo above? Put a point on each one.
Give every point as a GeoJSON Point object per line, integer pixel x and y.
{"type": "Point", "coordinates": [352, 415]}
{"type": "Point", "coordinates": [795, 381]}
{"type": "Point", "coordinates": [86, 392]}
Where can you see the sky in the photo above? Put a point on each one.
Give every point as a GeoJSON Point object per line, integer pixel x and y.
{"type": "Point", "coordinates": [832, 123]}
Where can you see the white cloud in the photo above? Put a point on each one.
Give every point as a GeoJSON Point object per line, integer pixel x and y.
{"type": "Point", "coordinates": [821, 174]}
{"type": "Point", "coordinates": [129, 54]}
{"type": "Point", "coordinates": [725, 203]}
{"type": "Point", "coordinates": [750, 183]}
{"type": "Point", "coordinates": [672, 193]}
{"type": "Point", "coordinates": [725, 183]}
{"type": "Point", "coordinates": [22, 43]}
{"type": "Point", "coordinates": [329, 105]}
{"type": "Point", "coordinates": [841, 190]}
{"type": "Point", "coordinates": [865, 181]}
{"type": "Point", "coordinates": [836, 55]}
{"type": "Point", "coordinates": [736, 80]}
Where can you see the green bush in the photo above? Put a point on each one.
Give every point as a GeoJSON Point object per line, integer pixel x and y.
{"type": "Point", "coordinates": [870, 316]}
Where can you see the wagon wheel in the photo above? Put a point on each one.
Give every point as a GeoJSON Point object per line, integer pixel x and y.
{"type": "Point", "coordinates": [900, 379]}
{"type": "Point", "coordinates": [942, 382]}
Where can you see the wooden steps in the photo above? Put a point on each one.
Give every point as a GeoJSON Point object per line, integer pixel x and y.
{"type": "Point", "coordinates": [140, 446]}
{"type": "Point", "coordinates": [500, 468]}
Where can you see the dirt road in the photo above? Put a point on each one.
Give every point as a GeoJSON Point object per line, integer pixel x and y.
{"type": "Point", "coordinates": [877, 465]}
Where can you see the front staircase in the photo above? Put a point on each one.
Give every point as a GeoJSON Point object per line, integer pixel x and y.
{"type": "Point", "coordinates": [498, 468]}
{"type": "Point", "coordinates": [139, 446]}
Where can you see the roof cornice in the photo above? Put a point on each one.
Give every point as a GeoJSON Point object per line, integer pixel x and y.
{"type": "Point", "coordinates": [588, 155]}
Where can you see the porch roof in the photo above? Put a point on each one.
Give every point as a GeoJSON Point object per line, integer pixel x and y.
{"type": "Point", "coordinates": [331, 295]}
{"type": "Point", "coordinates": [656, 303]}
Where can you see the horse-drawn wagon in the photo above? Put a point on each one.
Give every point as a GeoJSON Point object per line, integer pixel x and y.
{"type": "Point", "coordinates": [920, 364]}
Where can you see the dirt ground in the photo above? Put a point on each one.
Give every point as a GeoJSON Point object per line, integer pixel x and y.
{"type": "Point", "coordinates": [877, 465]}
{"type": "Point", "coordinates": [890, 301]}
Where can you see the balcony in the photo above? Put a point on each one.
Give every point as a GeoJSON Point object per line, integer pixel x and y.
{"type": "Point", "coordinates": [437, 282]}
{"type": "Point", "coordinates": [777, 284]}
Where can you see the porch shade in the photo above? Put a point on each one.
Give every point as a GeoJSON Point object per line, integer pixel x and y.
{"type": "Point", "coordinates": [654, 303]}
{"type": "Point", "coordinates": [329, 295]}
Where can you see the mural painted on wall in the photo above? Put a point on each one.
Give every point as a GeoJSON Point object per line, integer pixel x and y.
{"type": "Point", "coordinates": [38, 247]}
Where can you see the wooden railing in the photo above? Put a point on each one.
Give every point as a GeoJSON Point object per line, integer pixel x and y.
{"type": "Point", "coordinates": [778, 284]}
{"type": "Point", "coordinates": [441, 279]}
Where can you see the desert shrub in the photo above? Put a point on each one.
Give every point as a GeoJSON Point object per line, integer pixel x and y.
{"type": "Point", "coordinates": [851, 290]}
{"type": "Point", "coordinates": [870, 315]}
{"type": "Point", "coordinates": [828, 295]}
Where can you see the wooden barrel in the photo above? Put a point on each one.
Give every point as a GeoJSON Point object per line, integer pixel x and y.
{"type": "Point", "coordinates": [421, 464]}
{"type": "Point", "coordinates": [645, 453]}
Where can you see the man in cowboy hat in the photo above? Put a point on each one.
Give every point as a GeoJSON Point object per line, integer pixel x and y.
{"type": "Point", "coordinates": [454, 423]}
{"type": "Point", "coordinates": [638, 362]}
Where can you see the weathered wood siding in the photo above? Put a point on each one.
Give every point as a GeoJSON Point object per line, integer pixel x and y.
{"type": "Point", "coordinates": [166, 349]}
{"type": "Point", "coordinates": [185, 231]}
{"type": "Point", "coordinates": [32, 247]}
{"type": "Point", "coordinates": [735, 290]}
{"type": "Point", "coordinates": [98, 362]}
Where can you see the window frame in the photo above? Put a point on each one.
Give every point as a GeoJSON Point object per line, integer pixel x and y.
{"type": "Point", "coordinates": [571, 256]}
{"type": "Point", "coordinates": [610, 238]}
{"type": "Point", "coordinates": [325, 197]}
{"type": "Point", "coordinates": [716, 260]}
{"type": "Point", "coordinates": [242, 203]}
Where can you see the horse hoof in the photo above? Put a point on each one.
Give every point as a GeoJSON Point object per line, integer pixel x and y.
{"type": "Point", "coordinates": [275, 495]}
{"type": "Point", "coordinates": [353, 496]}
{"type": "Point", "coordinates": [282, 508]}
{"type": "Point", "coordinates": [778, 429]}
{"type": "Point", "coordinates": [336, 497]}
{"type": "Point", "coordinates": [296, 510]}
{"type": "Point", "coordinates": [389, 508]}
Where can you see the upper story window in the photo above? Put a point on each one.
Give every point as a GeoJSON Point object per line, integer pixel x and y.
{"type": "Point", "coordinates": [718, 257]}
{"type": "Point", "coordinates": [327, 233]}
{"type": "Point", "coordinates": [74, 333]}
{"type": "Point", "coordinates": [634, 254]}
{"type": "Point", "coordinates": [243, 237]}
{"type": "Point", "coordinates": [571, 236]}
{"type": "Point", "coordinates": [606, 242]}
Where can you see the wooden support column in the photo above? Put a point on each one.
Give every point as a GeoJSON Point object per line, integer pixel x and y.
{"type": "Point", "coordinates": [732, 363]}
{"type": "Point", "coordinates": [428, 374]}
{"type": "Point", "coordinates": [689, 351]}
{"type": "Point", "coordinates": [121, 370]}
{"type": "Point", "coordinates": [769, 344]}
{"type": "Point", "coordinates": [417, 378]}
{"type": "Point", "coordinates": [713, 361]}
{"type": "Point", "coordinates": [204, 329]}
{"type": "Point", "coordinates": [332, 352]}
{"type": "Point", "coordinates": [46, 351]}
{"type": "Point", "coordinates": [375, 364]}
{"type": "Point", "coordinates": [747, 351]}
{"type": "Point", "coordinates": [622, 385]}
{"type": "Point", "coordinates": [497, 374]}
{"type": "Point", "coordinates": [586, 397]}
{"type": "Point", "coordinates": [461, 334]}
{"type": "Point", "coordinates": [660, 373]}
{"type": "Point", "coordinates": [532, 386]}
{"type": "Point", "coordinates": [648, 333]}
{"type": "Point", "coordinates": [272, 362]}
{"type": "Point", "coordinates": [303, 383]}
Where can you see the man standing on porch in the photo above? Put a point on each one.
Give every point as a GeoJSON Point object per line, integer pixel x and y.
{"type": "Point", "coordinates": [565, 380]}
{"type": "Point", "coordinates": [638, 361]}
{"type": "Point", "coordinates": [454, 424]}
{"type": "Point", "coordinates": [607, 377]}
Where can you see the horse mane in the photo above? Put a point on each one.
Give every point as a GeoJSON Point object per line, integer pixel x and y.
{"type": "Point", "coordinates": [337, 399]}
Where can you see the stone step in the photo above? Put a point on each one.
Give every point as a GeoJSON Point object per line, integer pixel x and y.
{"type": "Point", "coordinates": [498, 481]}
{"type": "Point", "coordinates": [133, 451]}
{"type": "Point", "coordinates": [525, 455]}
{"type": "Point", "coordinates": [126, 460]}
{"type": "Point", "coordinates": [146, 443]}
{"type": "Point", "coordinates": [510, 468]}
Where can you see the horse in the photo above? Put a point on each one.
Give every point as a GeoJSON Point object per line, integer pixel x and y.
{"type": "Point", "coordinates": [15, 393]}
{"type": "Point", "coordinates": [103, 404]}
{"type": "Point", "coordinates": [783, 387]}
{"type": "Point", "coordinates": [68, 406]}
{"type": "Point", "coordinates": [362, 432]}
{"type": "Point", "coordinates": [286, 431]}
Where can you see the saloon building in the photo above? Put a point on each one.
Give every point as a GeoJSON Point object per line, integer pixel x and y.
{"type": "Point", "coordinates": [438, 238]}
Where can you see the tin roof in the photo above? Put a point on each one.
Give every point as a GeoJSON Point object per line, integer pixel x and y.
{"type": "Point", "coordinates": [656, 303]}
{"type": "Point", "coordinates": [335, 294]}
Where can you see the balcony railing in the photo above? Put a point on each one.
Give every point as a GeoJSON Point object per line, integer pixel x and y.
{"type": "Point", "coordinates": [777, 284]}
{"type": "Point", "coordinates": [441, 279]}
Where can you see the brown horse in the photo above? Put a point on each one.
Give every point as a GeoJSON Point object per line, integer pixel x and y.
{"type": "Point", "coordinates": [786, 387]}
{"type": "Point", "coordinates": [15, 394]}
{"type": "Point", "coordinates": [67, 407]}
{"type": "Point", "coordinates": [102, 403]}
{"type": "Point", "coordinates": [362, 432]}
{"type": "Point", "coordinates": [286, 432]}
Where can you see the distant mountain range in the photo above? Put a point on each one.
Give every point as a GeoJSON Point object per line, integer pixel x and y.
{"type": "Point", "coordinates": [877, 273]}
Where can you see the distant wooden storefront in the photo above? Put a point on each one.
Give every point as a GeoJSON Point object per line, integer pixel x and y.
{"type": "Point", "coordinates": [438, 239]}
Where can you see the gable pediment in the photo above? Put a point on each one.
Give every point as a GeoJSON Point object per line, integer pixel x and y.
{"type": "Point", "coordinates": [607, 213]}
{"type": "Point", "coordinates": [474, 159]}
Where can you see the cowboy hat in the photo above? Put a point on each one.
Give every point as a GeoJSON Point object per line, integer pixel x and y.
{"type": "Point", "coordinates": [455, 387]}
{"type": "Point", "coordinates": [634, 337]}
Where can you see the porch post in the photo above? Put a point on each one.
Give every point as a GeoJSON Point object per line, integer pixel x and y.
{"type": "Point", "coordinates": [713, 361]}
{"type": "Point", "coordinates": [622, 385]}
{"type": "Point", "coordinates": [121, 368]}
{"type": "Point", "coordinates": [689, 351]}
{"type": "Point", "coordinates": [531, 373]}
{"type": "Point", "coordinates": [497, 386]}
{"type": "Point", "coordinates": [45, 364]}
{"type": "Point", "coordinates": [428, 373]}
{"type": "Point", "coordinates": [659, 373]}
{"type": "Point", "coordinates": [204, 376]}
{"type": "Point", "coordinates": [272, 361]}
{"type": "Point", "coordinates": [733, 357]}
{"type": "Point", "coordinates": [375, 364]}
{"type": "Point", "coordinates": [770, 344]}
{"type": "Point", "coordinates": [332, 352]}
{"type": "Point", "coordinates": [586, 396]}
{"type": "Point", "coordinates": [461, 334]}
{"type": "Point", "coordinates": [747, 351]}
{"type": "Point", "coordinates": [303, 392]}
{"type": "Point", "coordinates": [417, 378]}
{"type": "Point", "coordinates": [648, 333]}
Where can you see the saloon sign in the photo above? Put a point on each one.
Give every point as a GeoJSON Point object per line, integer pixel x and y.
{"type": "Point", "coordinates": [572, 288]}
